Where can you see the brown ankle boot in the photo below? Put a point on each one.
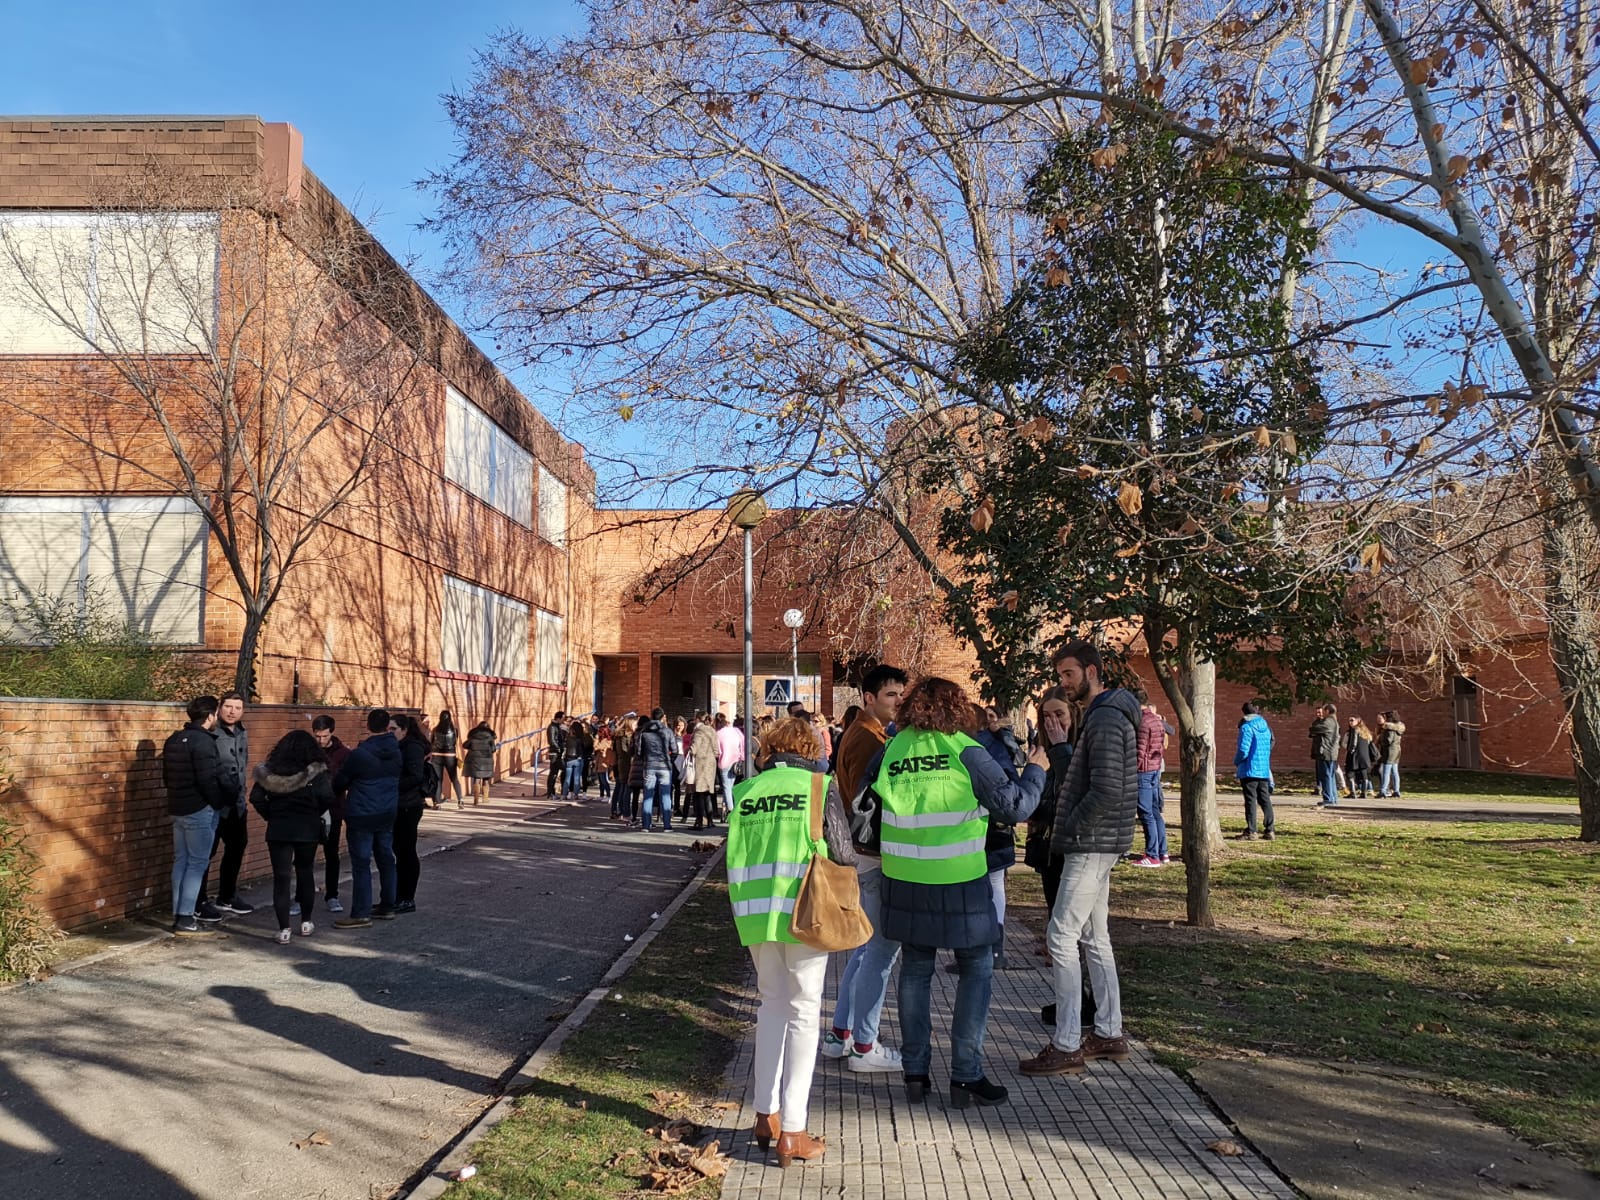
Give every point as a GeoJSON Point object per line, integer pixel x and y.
{"type": "Point", "coordinates": [768, 1129]}
{"type": "Point", "coordinates": [803, 1146]}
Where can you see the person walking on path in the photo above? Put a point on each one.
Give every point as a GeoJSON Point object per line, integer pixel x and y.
{"type": "Point", "coordinates": [370, 780]}
{"type": "Point", "coordinates": [335, 752]}
{"type": "Point", "coordinates": [555, 746]}
{"type": "Point", "coordinates": [233, 831]}
{"type": "Point", "coordinates": [444, 746]}
{"type": "Point", "coordinates": [653, 754]}
{"type": "Point", "coordinates": [191, 769]}
{"type": "Point", "coordinates": [1390, 730]}
{"type": "Point", "coordinates": [1325, 754]}
{"type": "Point", "coordinates": [479, 761]}
{"type": "Point", "coordinates": [703, 771]}
{"type": "Point", "coordinates": [769, 849]}
{"type": "Point", "coordinates": [1153, 735]}
{"type": "Point", "coordinates": [293, 791]}
{"type": "Point", "coordinates": [865, 979]}
{"type": "Point", "coordinates": [1252, 762]}
{"type": "Point", "coordinates": [1359, 757]}
{"type": "Point", "coordinates": [410, 800]}
{"type": "Point", "coordinates": [1092, 827]}
{"type": "Point", "coordinates": [939, 788]}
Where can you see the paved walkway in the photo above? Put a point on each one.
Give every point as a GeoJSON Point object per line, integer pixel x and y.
{"type": "Point", "coordinates": [1123, 1131]}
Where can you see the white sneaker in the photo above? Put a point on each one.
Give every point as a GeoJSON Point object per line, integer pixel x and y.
{"type": "Point", "coordinates": [283, 937]}
{"type": "Point", "coordinates": [832, 1047]}
{"type": "Point", "coordinates": [294, 908]}
{"type": "Point", "coordinates": [307, 928]}
{"type": "Point", "coordinates": [880, 1058]}
{"type": "Point", "coordinates": [334, 905]}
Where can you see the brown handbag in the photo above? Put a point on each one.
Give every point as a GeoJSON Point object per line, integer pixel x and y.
{"type": "Point", "coordinates": [827, 913]}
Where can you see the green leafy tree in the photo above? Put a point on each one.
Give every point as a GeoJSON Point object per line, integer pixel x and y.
{"type": "Point", "coordinates": [1165, 420]}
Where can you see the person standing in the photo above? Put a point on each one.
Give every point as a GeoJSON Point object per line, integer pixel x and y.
{"type": "Point", "coordinates": [335, 752]}
{"type": "Point", "coordinates": [191, 769]}
{"type": "Point", "coordinates": [604, 761]}
{"type": "Point", "coordinates": [555, 739]}
{"type": "Point", "coordinates": [572, 756]}
{"type": "Point", "coordinates": [293, 792]}
{"type": "Point", "coordinates": [621, 789]}
{"type": "Point", "coordinates": [1000, 846]}
{"type": "Point", "coordinates": [370, 780]}
{"type": "Point", "coordinates": [444, 746]}
{"type": "Point", "coordinates": [410, 799]}
{"type": "Point", "coordinates": [939, 788]}
{"type": "Point", "coordinates": [1153, 735]}
{"type": "Point", "coordinates": [1390, 730]}
{"type": "Point", "coordinates": [653, 754]}
{"type": "Point", "coordinates": [1325, 754]}
{"type": "Point", "coordinates": [1359, 757]}
{"type": "Point", "coordinates": [1252, 760]}
{"type": "Point", "coordinates": [1058, 722]}
{"type": "Point", "coordinates": [233, 833]}
{"type": "Point", "coordinates": [730, 754]}
{"type": "Point", "coordinates": [769, 850]}
{"type": "Point", "coordinates": [479, 761]}
{"type": "Point", "coordinates": [865, 978]}
{"type": "Point", "coordinates": [1093, 827]}
{"type": "Point", "coordinates": [703, 771]}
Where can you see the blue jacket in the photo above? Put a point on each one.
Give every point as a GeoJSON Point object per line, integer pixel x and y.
{"type": "Point", "coordinates": [370, 780]}
{"type": "Point", "coordinates": [1253, 758]}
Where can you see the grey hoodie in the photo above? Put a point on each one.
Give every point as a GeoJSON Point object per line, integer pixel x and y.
{"type": "Point", "coordinates": [1097, 801]}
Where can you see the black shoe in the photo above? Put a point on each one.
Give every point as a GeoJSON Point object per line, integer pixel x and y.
{"type": "Point", "coordinates": [236, 905]}
{"type": "Point", "coordinates": [186, 924]}
{"type": "Point", "coordinates": [1047, 1015]}
{"type": "Point", "coordinates": [917, 1088]}
{"type": "Point", "coordinates": [383, 912]}
{"type": "Point", "coordinates": [405, 906]}
{"type": "Point", "coordinates": [207, 911]}
{"type": "Point", "coordinates": [982, 1093]}
{"type": "Point", "coordinates": [999, 958]}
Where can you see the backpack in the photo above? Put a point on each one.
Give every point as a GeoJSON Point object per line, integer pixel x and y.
{"type": "Point", "coordinates": [430, 778]}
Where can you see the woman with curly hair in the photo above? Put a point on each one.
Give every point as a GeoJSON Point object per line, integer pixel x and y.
{"type": "Point", "coordinates": [939, 789]}
{"type": "Point", "coordinates": [293, 791]}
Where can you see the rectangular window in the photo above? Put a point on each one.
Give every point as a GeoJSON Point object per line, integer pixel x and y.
{"type": "Point", "coordinates": [110, 283]}
{"type": "Point", "coordinates": [139, 559]}
{"type": "Point", "coordinates": [485, 460]}
{"type": "Point", "coordinates": [550, 659]}
{"type": "Point", "coordinates": [484, 632]}
{"type": "Point", "coordinates": [552, 508]}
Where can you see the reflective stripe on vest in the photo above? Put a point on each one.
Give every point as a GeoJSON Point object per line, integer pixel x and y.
{"type": "Point", "coordinates": [769, 849]}
{"type": "Point", "coordinates": [933, 831]}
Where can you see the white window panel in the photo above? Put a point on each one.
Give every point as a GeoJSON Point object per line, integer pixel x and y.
{"type": "Point", "coordinates": [552, 508]}
{"type": "Point", "coordinates": [142, 557]}
{"type": "Point", "coordinates": [45, 269]}
{"type": "Point", "coordinates": [484, 633]}
{"type": "Point", "coordinates": [550, 660]}
{"type": "Point", "coordinates": [485, 460]}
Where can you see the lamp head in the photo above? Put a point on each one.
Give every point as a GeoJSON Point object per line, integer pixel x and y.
{"type": "Point", "coordinates": [747, 508]}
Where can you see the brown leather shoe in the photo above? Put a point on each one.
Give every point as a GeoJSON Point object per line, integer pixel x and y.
{"type": "Point", "coordinates": [1095, 1046]}
{"type": "Point", "coordinates": [803, 1146]}
{"type": "Point", "coordinates": [768, 1129]}
{"type": "Point", "coordinates": [1051, 1061]}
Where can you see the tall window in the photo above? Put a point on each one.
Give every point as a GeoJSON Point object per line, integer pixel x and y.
{"type": "Point", "coordinates": [482, 458]}
{"type": "Point", "coordinates": [485, 633]}
{"type": "Point", "coordinates": [113, 283]}
{"type": "Point", "coordinates": [550, 660]}
{"type": "Point", "coordinates": [139, 559]}
{"type": "Point", "coordinates": [552, 508]}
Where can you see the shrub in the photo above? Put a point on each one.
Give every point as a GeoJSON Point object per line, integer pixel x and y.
{"type": "Point", "coordinates": [25, 932]}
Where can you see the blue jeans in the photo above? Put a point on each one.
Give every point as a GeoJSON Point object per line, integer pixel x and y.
{"type": "Point", "coordinates": [1155, 825]}
{"type": "Point", "coordinates": [1328, 781]}
{"type": "Point", "coordinates": [192, 837]}
{"type": "Point", "coordinates": [725, 782]}
{"type": "Point", "coordinates": [363, 844]}
{"type": "Point", "coordinates": [603, 778]}
{"type": "Point", "coordinates": [657, 787]}
{"type": "Point", "coordinates": [866, 974]}
{"type": "Point", "coordinates": [572, 777]}
{"type": "Point", "coordinates": [1389, 778]}
{"type": "Point", "coordinates": [975, 967]}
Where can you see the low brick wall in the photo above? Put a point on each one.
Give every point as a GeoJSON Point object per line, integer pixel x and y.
{"type": "Point", "coordinates": [87, 784]}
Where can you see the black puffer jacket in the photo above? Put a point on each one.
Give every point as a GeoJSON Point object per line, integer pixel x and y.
{"type": "Point", "coordinates": [413, 765]}
{"type": "Point", "coordinates": [293, 804]}
{"type": "Point", "coordinates": [652, 745]}
{"type": "Point", "coordinates": [191, 767]}
{"type": "Point", "coordinates": [1099, 796]}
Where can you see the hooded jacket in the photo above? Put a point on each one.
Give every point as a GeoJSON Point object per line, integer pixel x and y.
{"type": "Point", "coordinates": [1099, 796]}
{"type": "Point", "coordinates": [1253, 758]}
{"type": "Point", "coordinates": [370, 780]}
{"type": "Point", "coordinates": [293, 804]}
{"type": "Point", "coordinates": [1389, 735]}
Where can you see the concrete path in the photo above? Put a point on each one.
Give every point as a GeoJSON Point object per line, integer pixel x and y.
{"type": "Point", "coordinates": [1123, 1131]}
{"type": "Point", "coordinates": [190, 1068]}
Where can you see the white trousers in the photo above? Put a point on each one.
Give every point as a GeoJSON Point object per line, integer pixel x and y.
{"type": "Point", "coordinates": [790, 979]}
{"type": "Point", "coordinates": [1080, 917]}
{"type": "Point", "coordinates": [997, 884]}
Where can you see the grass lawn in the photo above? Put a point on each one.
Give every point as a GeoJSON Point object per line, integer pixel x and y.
{"type": "Point", "coordinates": [1434, 783]}
{"type": "Point", "coordinates": [658, 1054]}
{"type": "Point", "coordinates": [1469, 953]}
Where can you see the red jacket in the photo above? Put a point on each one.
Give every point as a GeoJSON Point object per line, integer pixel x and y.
{"type": "Point", "coordinates": [1152, 734]}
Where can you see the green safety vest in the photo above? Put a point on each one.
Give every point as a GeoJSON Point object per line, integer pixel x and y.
{"type": "Point", "coordinates": [769, 849]}
{"type": "Point", "coordinates": [933, 827]}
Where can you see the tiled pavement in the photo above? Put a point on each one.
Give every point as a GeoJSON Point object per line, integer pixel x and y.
{"type": "Point", "coordinates": [1122, 1131]}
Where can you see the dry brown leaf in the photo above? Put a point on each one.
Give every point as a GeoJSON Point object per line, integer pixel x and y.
{"type": "Point", "coordinates": [1232, 491]}
{"type": "Point", "coordinates": [1288, 444]}
{"type": "Point", "coordinates": [1085, 471]}
{"type": "Point", "coordinates": [1064, 534]}
{"type": "Point", "coordinates": [1420, 70]}
{"type": "Point", "coordinates": [319, 1138]}
{"type": "Point", "coordinates": [1263, 436]}
{"type": "Point", "coordinates": [1120, 373]}
{"type": "Point", "coordinates": [1038, 427]}
{"type": "Point", "coordinates": [1010, 600]}
{"type": "Point", "coordinates": [664, 1097]}
{"type": "Point", "coordinates": [1130, 499]}
{"type": "Point", "coordinates": [711, 1162]}
{"type": "Point", "coordinates": [1129, 551]}
{"type": "Point", "coordinates": [1472, 394]}
{"type": "Point", "coordinates": [1226, 1147]}
{"type": "Point", "coordinates": [1457, 167]}
{"type": "Point", "coordinates": [1374, 556]}
{"type": "Point", "coordinates": [726, 1106]}
{"type": "Point", "coordinates": [983, 516]}
{"type": "Point", "coordinates": [1056, 277]}
{"type": "Point", "coordinates": [1108, 156]}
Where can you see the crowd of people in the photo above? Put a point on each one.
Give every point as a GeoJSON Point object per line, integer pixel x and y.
{"type": "Point", "coordinates": [311, 790]}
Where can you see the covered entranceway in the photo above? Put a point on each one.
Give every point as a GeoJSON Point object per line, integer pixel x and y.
{"type": "Point", "coordinates": [684, 684]}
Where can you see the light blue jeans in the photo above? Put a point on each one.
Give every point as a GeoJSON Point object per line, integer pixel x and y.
{"type": "Point", "coordinates": [572, 778]}
{"type": "Point", "coordinates": [969, 1022]}
{"type": "Point", "coordinates": [866, 975]}
{"type": "Point", "coordinates": [657, 788]}
{"type": "Point", "coordinates": [192, 836]}
{"type": "Point", "coordinates": [725, 782]}
{"type": "Point", "coordinates": [1389, 778]}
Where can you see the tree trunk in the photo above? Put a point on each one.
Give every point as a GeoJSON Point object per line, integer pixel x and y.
{"type": "Point", "coordinates": [1198, 786]}
{"type": "Point", "coordinates": [244, 673]}
{"type": "Point", "coordinates": [1571, 553]}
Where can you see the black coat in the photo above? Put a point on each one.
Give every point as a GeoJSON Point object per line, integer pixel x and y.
{"type": "Point", "coordinates": [293, 804]}
{"type": "Point", "coordinates": [1358, 752]}
{"type": "Point", "coordinates": [1098, 796]}
{"type": "Point", "coordinates": [653, 745]}
{"type": "Point", "coordinates": [413, 772]}
{"type": "Point", "coordinates": [191, 767]}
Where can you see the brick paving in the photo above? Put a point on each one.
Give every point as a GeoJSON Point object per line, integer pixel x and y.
{"type": "Point", "coordinates": [1123, 1130]}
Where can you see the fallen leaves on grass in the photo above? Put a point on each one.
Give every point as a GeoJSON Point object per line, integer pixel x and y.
{"type": "Point", "coordinates": [704, 847]}
{"type": "Point", "coordinates": [315, 1139]}
{"type": "Point", "coordinates": [674, 1132]}
{"type": "Point", "coordinates": [1226, 1147]}
{"type": "Point", "coordinates": [679, 1168]}
{"type": "Point", "coordinates": [665, 1097]}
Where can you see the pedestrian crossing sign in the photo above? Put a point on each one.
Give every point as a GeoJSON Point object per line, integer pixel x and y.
{"type": "Point", "coordinates": [779, 691]}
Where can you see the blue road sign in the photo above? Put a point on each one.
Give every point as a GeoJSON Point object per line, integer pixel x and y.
{"type": "Point", "coordinates": [780, 691]}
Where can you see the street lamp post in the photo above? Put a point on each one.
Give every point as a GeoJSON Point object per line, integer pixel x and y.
{"type": "Point", "coordinates": [746, 509]}
{"type": "Point", "coordinates": [794, 618]}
